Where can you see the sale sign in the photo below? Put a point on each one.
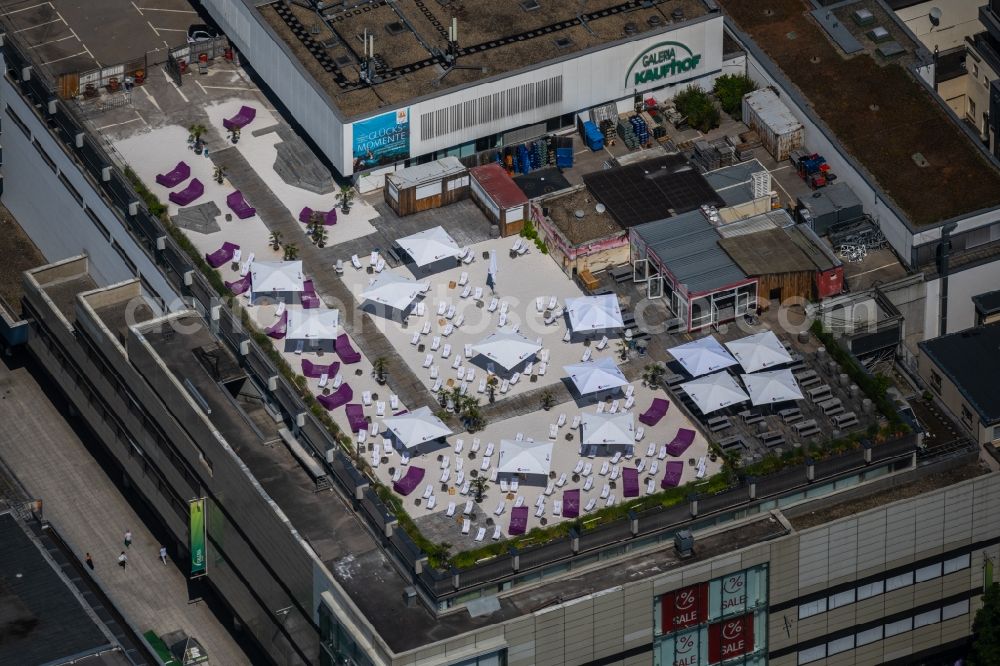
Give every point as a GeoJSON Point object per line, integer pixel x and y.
{"type": "Point", "coordinates": [734, 593]}
{"type": "Point", "coordinates": [685, 607]}
{"type": "Point", "coordinates": [730, 638]}
{"type": "Point", "coordinates": [686, 648]}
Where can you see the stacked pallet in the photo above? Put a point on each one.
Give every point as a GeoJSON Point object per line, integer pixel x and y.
{"type": "Point", "coordinates": [627, 133]}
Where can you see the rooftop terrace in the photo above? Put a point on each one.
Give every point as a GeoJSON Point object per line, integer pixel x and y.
{"type": "Point", "coordinates": [494, 38]}
{"type": "Point", "coordinates": [883, 121]}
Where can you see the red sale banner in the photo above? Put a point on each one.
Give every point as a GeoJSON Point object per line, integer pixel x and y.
{"type": "Point", "coordinates": [685, 607]}
{"type": "Point", "coordinates": [730, 638]}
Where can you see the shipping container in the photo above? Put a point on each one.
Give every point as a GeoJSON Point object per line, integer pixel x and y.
{"type": "Point", "coordinates": [780, 132]}
{"type": "Point", "coordinates": [427, 186]}
{"type": "Point", "coordinates": [496, 193]}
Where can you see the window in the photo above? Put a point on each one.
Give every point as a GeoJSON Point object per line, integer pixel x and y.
{"type": "Point", "coordinates": [928, 572]}
{"type": "Point", "coordinates": [898, 627]}
{"type": "Point", "coordinates": [956, 564]}
{"type": "Point", "coordinates": [812, 608]}
{"type": "Point", "coordinates": [871, 589]}
{"type": "Point", "coordinates": [69, 187]}
{"type": "Point", "coordinates": [869, 636]}
{"type": "Point", "coordinates": [966, 416]}
{"type": "Point", "coordinates": [840, 645]}
{"type": "Point", "coordinates": [896, 582]}
{"type": "Point", "coordinates": [975, 71]}
{"type": "Point", "coordinates": [97, 223]}
{"type": "Point", "coordinates": [929, 617]}
{"type": "Point", "coordinates": [955, 609]}
{"type": "Point", "coordinates": [841, 599]}
{"type": "Point", "coordinates": [972, 109]}
{"type": "Point", "coordinates": [45, 155]}
{"type": "Point", "coordinates": [17, 121]}
{"type": "Point", "coordinates": [812, 654]}
{"type": "Point", "coordinates": [935, 382]}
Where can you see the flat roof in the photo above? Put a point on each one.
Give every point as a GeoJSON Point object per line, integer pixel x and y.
{"type": "Point", "coordinates": [562, 210]}
{"type": "Point", "coordinates": [971, 360]}
{"type": "Point", "coordinates": [767, 252]}
{"type": "Point", "coordinates": [494, 38]}
{"type": "Point", "coordinates": [651, 190]}
{"type": "Point", "coordinates": [872, 92]}
{"type": "Point", "coordinates": [735, 183]}
{"type": "Point", "coordinates": [425, 173]}
{"type": "Point", "coordinates": [688, 245]}
{"type": "Point", "coordinates": [41, 620]}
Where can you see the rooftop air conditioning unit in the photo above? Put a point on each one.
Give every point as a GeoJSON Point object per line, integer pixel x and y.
{"type": "Point", "coordinates": [684, 544]}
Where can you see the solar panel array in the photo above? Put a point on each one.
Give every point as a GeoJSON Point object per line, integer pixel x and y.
{"type": "Point", "coordinates": [651, 190]}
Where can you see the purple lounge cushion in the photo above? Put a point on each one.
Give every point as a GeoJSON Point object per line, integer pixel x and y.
{"type": "Point", "coordinates": [345, 351]}
{"type": "Point", "coordinates": [571, 504]}
{"type": "Point", "coordinates": [630, 482]}
{"type": "Point", "coordinates": [412, 478]}
{"type": "Point", "coordinates": [239, 205]}
{"type": "Point", "coordinates": [239, 286]}
{"type": "Point", "coordinates": [682, 440]}
{"type": "Point", "coordinates": [672, 476]}
{"type": "Point", "coordinates": [175, 176]}
{"type": "Point", "coordinates": [518, 520]}
{"type": "Point", "coordinates": [222, 255]}
{"type": "Point", "coordinates": [278, 330]}
{"type": "Point", "coordinates": [341, 396]}
{"type": "Point", "coordinates": [193, 190]}
{"type": "Point", "coordinates": [243, 118]}
{"type": "Point", "coordinates": [356, 417]}
{"type": "Point", "coordinates": [656, 411]}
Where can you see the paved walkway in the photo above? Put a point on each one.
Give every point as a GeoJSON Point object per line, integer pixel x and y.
{"type": "Point", "coordinates": [364, 334]}
{"type": "Point", "coordinates": [79, 500]}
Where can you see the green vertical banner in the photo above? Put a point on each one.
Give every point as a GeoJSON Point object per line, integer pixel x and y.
{"type": "Point", "coordinates": [198, 559]}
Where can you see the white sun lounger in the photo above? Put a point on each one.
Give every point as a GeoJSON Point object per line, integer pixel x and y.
{"type": "Point", "coordinates": [641, 465]}
{"type": "Point", "coordinates": [489, 449]}
{"type": "Point", "coordinates": [640, 432]}
{"type": "Point", "coordinates": [586, 354]}
{"type": "Point", "coordinates": [478, 293]}
{"type": "Point", "coordinates": [550, 488]}
{"type": "Point", "coordinates": [505, 386]}
{"type": "Point", "coordinates": [463, 279]}
{"type": "Point", "coordinates": [380, 408]}
{"type": "Point", "coordinates": [513, 485]}
{"type": "Point", "coordinates": [517, 245]}
{"type": "Point", "coordinates": [421, 309]}
{"type": "Point", "coordinates": [404, 458]}
{"type": "Point", "coordinates": [519, 502]}
{"type": "Point", "coordinates": [605, 468]}
{"type": "Point", "coordinates": [588, 469]}
{"type": "Point", "coordinates": [540, 304]}
{"type": "Point", "coordinates": [615, 471]}
{"type": "Point", "coordinates": [324, 379]}
{"type": "Point", "coordinates": [614, 407]}
{"type": "Point", "coordinates": [605, 491]}
{"type": "Point", "coordinates": [553, 431]}
{"type": "Point", "coordinates": [590, 505]}
{"type": "Point", "coordinates": [356, 262]}
{"type": "Point", "coordinates": [481, 534]}
{"type": "Point", "coordinates": [629, 402]}
{"type": "Point", "coordinates": [366, 398]}
{"type": "Point", "coordinates": [446, 352]}
{"type": "Point", "coordinates": [437, 385]}
{"type": "Point", "coordinates": [466, 526]}
{"type": "Point", "coordinates": [426, 328]}
{"type": "Point", "coordinates": [457, 363]}
{"type": "Point", "coordinates": [504, 488]}
{"type": "Point", "coordinates": [445, 476]}
{"type": "Point", "coordinates": [615, 458]}
{"type": "Point", "coordinates": [562, 480]}
{"type": "Point", "coordinates": [515, 377]}
{"type": "Point", "coordinates": [450, 313]}
{"type": "Point", "coordinates": [468, 507]}
{"type": "Point", "coordinates": [654, 467]}
{"type": "Point", "coordinates": [561, 421]}
{"type": "Point", "coordinates": [579, 466]}
{"type": "Point", "coordinates": [428, 360]}
{"type": "Point", "coordinates": [432, 502]}
{"type": "Point", "coordinates": [434, 372]}
{"type": "Point", "coordinates": [394, 401]}
{"type": "Point", "coordinates": [493, 304]}
{"type": "Point", "coordinates": [588, 484]}
{"type": "Point", "coordinates": [448, 330]}
{"type": "Point", "coordinates": [553, 302]}
{"type": "Point", "coordinates": [415, 338]}
{"type": "Point", "coordinates": [540, 511]}
{"type": "Point", "coordinates": [451, 509]}
{"type": "Point", "coordinates": [475, 444]}
{"type": "Point", "coordinates": [428, 490]}
{"type": "Point", "coordinates": [442, 308]}
{"type": "Point", "coordinates": [651, 450]}
{"type": "Point", "coordinates": [611, 500]}
{"type": "Point", "coordinates": [500, 508]}
{"type": "Point", "coordinates": [397, 474]}
{"type": "Point", "coordinates": [465, 489]}
{"type": "Point", "coordinates": [542, 367]}
{"type": "Point", "coordinates": [459, 320]}
{"type": "Point", "coordinates": [557, 508]}
{"type": "Point", "coordinates": [445, 462]}
{"type": "Point", "coordinates": [459, 445]}
{"type": "Point", "coordinates": [496, 533]}
{"type": "Point", "coordinates": [467, 291]}
{"type": "Point", "coordinates": [485, 465]}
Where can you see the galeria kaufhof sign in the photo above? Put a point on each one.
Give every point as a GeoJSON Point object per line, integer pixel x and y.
{"type": "Point", "coordinates": [661, 61]}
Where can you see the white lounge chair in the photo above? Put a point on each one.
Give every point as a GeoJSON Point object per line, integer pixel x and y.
{"type": "Point", "coordinates": [504, 486]}
{"type": "Point", "coordinates": [465, 489]}
{"type": "Point", "coordinates": [528, 368]}
{"type": "Point", "coordinates": [373, 258]}
{"type": "Point", "coordinates": [448, 330]}
{"type": "Point", "coordinates": [500, 508]}
{"type": "Point", "coordinates": [662, 453]}
{"type": "Point", "coordinates": [576, 422]}
{"type": "Point", "coordinates": [463, 279]}
{"type": "Point", "coordinates": [553, 302]}
{"type": "Point", "coordinates": [579, 466]}
{"type": "Point", "coordinates": [428, 491]}
{"type": "Point", "coordinates": [502, 321]}
{"type": "Point", "coordinates": [478, 293]}
{"type": "Point", "coordinates": [519, 502]}
{"type": "Point", "coordinates": [553, 431]}
{"type": "Point", "coordinates": [437, 385]}
{"type": "Point", "coordinates": [654, 467]}
{"type": "Point", "coordinates": [366, 398]}
{"type": "Point", "coordinates": [380, 265]}
{"type": "Point", "coordinates": [611, 500]}
{"type": "Point", "coordinates": [432, 502]}
{"type": "Point", "coordinates": [485, 465]}
{"type": "Point", "coordinates": [514, 484]}
{"type": "Point", "coordinates": [481, 534]}
{"type": "Point", "coordinates": [605, 491]}
{"type": "Point", "coordinates": [445, 475]}
{"type": "Point", "coordinates": [550, 488]}
{"type": "Point", "coordinates": [515, 377]}
{"type": "Point", "coordinates": [339, 267]}
{"type": "Point", "coordinates": [445, 462]}
{"type": "Point", "coordinates": [461, 370]}
{"type": "Point", "coordinates": [459, 445]}
{"type": "Point", "coordinates": [356, 262]}
{"type": "Point", "coordinates": [540, 304]}
{"type": "Point", "coordinates": [415, 338]}
{"type": "Point", "coordinates": [519, 437]}
{"type": "Point", "coordinates": [489, 449]}
{"type": "Point", "coordinates": [640, 432]}
{"type": "Point", "coordinates": [651, 450]}
{"type": "Point", "coordinates": [540, 511]}
{"type": "Point", "coordinates": [434, 372]}
{"type": "Point", "coordinates": [505, 386]}
{"type": "Point", "coordinates": [492, 307]}
{"type": "Point", "coordinates": [605, 468]}
{"type": "Point", "coordinates": [629, 391]}
{"type": "Point", "coordinates": [451, 509]}
{"type": "Point", "coordinates": [450, 313]}
{"type": "Point", "coordinates": [588, 469]}
{"type": "Point", "coordinates": [590, 505]}
{"type": "Point", "coordinates": [586, 354]}
{"type": "Point", "coordinates": [467, 291]}
{"type": "Point", "coordinates": [557, 508]}
{"type": "Point", "coordinates": [457, 363]}
{"type": "Point", "coordinates": [394, 402]}
{"type": "Point", "coordinates": [601, 407]}
{"type": "Point", "coordinates": [324, 379]}
{"type": "Point", "coordinates": [245, 266]}
{"type": "Point", "coordinates": [428, 360]}
{"type": "Point", "coordinates": [404, 458]}
{"type": "Point", "coordinates": [629, 402]}
{"type": "Point", "coordinates": [614, 407]}
{"type": "Point", "coordinates": [650, 486]}
{"type": "Point", "coordinates": [397, 474]}
{"type": "Point", "coordinates": [566, 337]}
{"type": "Point", "coordinates": [475, 444]}
{"type": "Point", "coordinates": [380, 408]}
{"type": "Point", "coordinates": [517, 245]}
{"type": "Point", "coordinates": [504, 307]}
{"type": "Point", "coordinates": [337, 381]}
{"type": "Point", "coordinates": [482, 386]}
{"type": "Point", "coordinates": [615, 458]}
{"type": "Point", "coordinates": [442, 308]}
{"type": "Point", "coordinates": [542, 367]}
{"type": "Point", "coordinates": [588, 484]}
{"type": "Point", "coordinates": [562, 480]}
{"type": "Point", "coordinates": [470, 375]}
{"type": "Point", "coordinates": [280, 310]}
{"type": "Point", "coordinates": [469, 505]}
{"type": "Point", "coordinates": [446, 352]}
{"type": "Point", "coordinates": [426, 328]}
{"type": "Point", "coordinates": [603, 343]}
{"type": "Point", "coordinates": [496, 533]}
{"type": "Point", "coordinates": [466, 526]}
{"type": "Point", "coordinates": [420, 309]}
{"type": "Point", "coordinates": [459, 320]}
{"type": "Point", "coordinates": [615, 471]}
{"type": "Point", "coordinates": [641, 465]}
{"type": "Point", "coordinates": [493, 474]}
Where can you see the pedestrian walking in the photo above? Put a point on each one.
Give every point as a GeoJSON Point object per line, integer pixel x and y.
{"type": "Point", "coordinates": [128, 538]}
{"type": "Point", "coordinates": [122, 560]}
{"type": "Point", "coordinates": [90, 562]}
{"type": "Point", "coordinates": [163, 555]}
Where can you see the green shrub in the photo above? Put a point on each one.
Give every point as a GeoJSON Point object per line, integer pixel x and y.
{"type": "Point", "coordinates": [699, 109]}
{"type": "Point", "coordinates": [729, 89]}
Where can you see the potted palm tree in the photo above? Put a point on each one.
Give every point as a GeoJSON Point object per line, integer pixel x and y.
{"type": "Point", "coordinates": [380, 367]}
{"type": "Point", "coordinates": [291, 252]}
{"type": "Point", "coordinates": [195, 132]}
{"type": "Point", "coordinates": [652, 374]}
{"type": "Point", "coordinates": [275, 240]}
{"type": "Point", "coordinates": [478, 486]}
{"type": "Point", "coordinates": [344, 197]}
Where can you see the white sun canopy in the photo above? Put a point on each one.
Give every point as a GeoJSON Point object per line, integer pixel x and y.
{"type": "Point", "coordinates": [312, 324]}
{"type": "Point", "coordinates": [713, 392]}
{"type": "Point", "coordinates": [766, 388]}
{"type": "Point", "coordinates": [524, 457]}
{"type": "Point", "coordinates": [593, 376]}
{"type": "Point", "coordinates": [416, 427]}
{"type": "Point", "coordinates": [276, 276]}
{"type": "Point", "coordinates": [594, 313]}
{"type": "Point", "coordinates": [759, 351]}
{"type": "Point", "coordinates": [607, 428]}
{"type": "Point", "coordinates": [393, 290]}
{"type": "Point", "coordinates": [506, 348]}
{"type": "Point", "coordinates": [702, 356]}
{"type": "Point", "coordinates": [426, 247]}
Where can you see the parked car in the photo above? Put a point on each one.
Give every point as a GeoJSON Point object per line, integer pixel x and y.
{"type": "Point", "coordinates": [200, 32]}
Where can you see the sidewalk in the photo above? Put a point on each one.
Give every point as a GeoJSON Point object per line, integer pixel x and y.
{"type": "Point", "coordinates": [89, 512]}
